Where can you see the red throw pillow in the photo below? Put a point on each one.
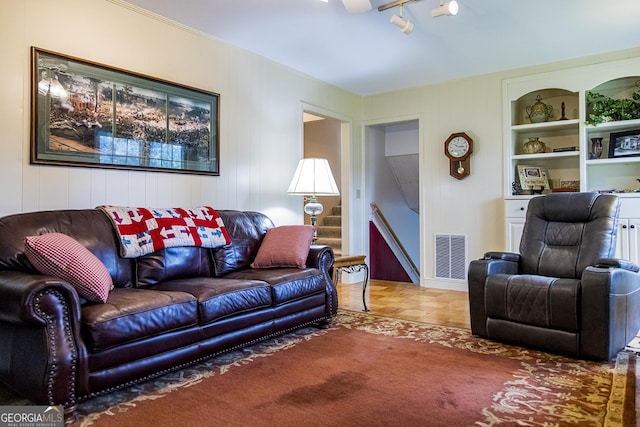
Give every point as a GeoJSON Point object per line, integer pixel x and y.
{"type": "Point", "coordinates": [285, 246]}
{"type": "Point", "coordinates": [59, 255]}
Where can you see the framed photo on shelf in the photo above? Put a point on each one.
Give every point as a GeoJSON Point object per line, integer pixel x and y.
{"type": "Point", "coordinates": [624, 144]}
{"type": "Point", "coordinates": [92, 115]}
{"type": "Point", "coordinates": [533, 177]}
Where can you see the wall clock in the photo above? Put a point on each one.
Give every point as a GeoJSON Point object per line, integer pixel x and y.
{"type": "Point", "coordinates": [458, 148]}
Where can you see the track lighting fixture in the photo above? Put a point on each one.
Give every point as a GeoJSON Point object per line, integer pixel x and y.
{"type": "Point", "coordinates": [405, 25]}
{"type": "Point", "coordinates": [357, 6]}
{"type": "Point", "coordinates": [448, 8]}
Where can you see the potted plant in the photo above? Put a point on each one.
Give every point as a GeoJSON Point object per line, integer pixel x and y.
{"type": "Point", "coordinates": [601, 108]}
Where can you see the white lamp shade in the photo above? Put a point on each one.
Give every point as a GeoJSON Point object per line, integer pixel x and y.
{"type": "Point", "coordinates": [313, 177]}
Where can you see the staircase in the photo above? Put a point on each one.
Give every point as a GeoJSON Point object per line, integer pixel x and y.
{"type": "Point", "coordinates": [330, 230]}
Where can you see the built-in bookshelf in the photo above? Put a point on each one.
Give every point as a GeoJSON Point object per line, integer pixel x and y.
{"type": "Point", "coordinates": [568, 162]}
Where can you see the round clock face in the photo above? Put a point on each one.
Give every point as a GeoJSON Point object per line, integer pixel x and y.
{"type": "Point", "coordinates": [458, 146]}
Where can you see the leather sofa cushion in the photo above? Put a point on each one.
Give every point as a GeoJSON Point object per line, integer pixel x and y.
{"type": "Point", "coordinates": [541, 301]}
{"type": "Point", "coordinates": [90, 227]}
{"type": "Point", "coordinates": [134, 314]}
{"type": "Point", "coordinates": [232, 257]}
{"type": "Point", "coordinates": [287, 284]}
{"type": "Point", "coordinates": [173, 263]}
{"type": "Point", "coordinates": [246, 230]}
{"type": "Point", "coordinates": [221, 297]}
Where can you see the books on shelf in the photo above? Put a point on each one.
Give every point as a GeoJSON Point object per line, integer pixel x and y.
{"type": "Point", "coordinates": [563, 149]}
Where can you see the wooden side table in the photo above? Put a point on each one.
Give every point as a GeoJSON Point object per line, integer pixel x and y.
{"type": "Point", "coordinates": [352, 264]}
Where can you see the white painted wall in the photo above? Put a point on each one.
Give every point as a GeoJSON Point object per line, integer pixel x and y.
{"type": "Point", "coordinates": [401, 138]}
{"type": "Point", "coordinates": [261, 126]}
{"type": "Point", "coordinates": [473, 206]}
{"type": "Point", "coordinates": [261, 137]}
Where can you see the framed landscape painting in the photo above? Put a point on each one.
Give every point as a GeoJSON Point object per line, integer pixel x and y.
{"type": "Point", "coordinates": [88, 114]}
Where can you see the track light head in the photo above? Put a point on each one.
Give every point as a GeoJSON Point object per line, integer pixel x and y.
{"type": "Point", "coordinates": [405, 25]}
{"type": "Point", "coordinates": [448, 8]}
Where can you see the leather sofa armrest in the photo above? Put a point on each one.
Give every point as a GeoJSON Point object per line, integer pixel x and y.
{"type": "Point", "coordinates": [45, 360]}
{"type": "Point", "coordinates": [22, 293]}
{"type": "Point", "coordinates": [617, 263]}
{"type": "Point", "coordinates": [322, 257]}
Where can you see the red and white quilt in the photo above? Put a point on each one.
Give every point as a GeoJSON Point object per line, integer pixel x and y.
{"type": "Point", "coordinates": [142, 230]}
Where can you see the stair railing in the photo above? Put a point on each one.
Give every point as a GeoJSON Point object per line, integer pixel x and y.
{"type": "Point", "coordinates": [394, 243]}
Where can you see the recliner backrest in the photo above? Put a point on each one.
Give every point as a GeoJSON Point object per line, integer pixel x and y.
{"type": "Point", "coordinates": [566, 232]}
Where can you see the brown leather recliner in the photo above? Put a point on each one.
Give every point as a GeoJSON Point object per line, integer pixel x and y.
{"type": "Point", "coordinates": [564, 292]}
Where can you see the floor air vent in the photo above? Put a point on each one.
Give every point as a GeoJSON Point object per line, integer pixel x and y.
{"type": "Point", "coordinates": [451, 256]}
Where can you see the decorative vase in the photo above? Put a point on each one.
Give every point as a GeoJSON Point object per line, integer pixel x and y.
{"type": "Point", "coordinates": [534, 146]}
{"type": "Point", "coordinates": [539, 112]}
{"type": "Point", "coordinates": [596, 148]}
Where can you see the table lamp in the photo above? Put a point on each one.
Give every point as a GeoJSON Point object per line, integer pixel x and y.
{"type": "Point", "coordinates": [313, 178]}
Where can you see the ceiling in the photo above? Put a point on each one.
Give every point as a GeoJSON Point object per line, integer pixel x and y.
{"type": "Point", "coordinates": [365, 54]}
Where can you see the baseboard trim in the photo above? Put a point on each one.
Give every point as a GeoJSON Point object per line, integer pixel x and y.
{"type": "Point", "coordinates": [452, 285]}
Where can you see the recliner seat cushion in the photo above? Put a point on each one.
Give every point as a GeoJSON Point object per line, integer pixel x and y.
{"type": "Point", "coordinates": [133, 314]}
{"type": "Point", "coordinates": [546, 302]}
{"type": "Point", "coordinates": [222, 297]}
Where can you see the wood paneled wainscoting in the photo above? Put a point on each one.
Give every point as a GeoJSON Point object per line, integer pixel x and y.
{"type": "Point", "coordinates": [408, 301]}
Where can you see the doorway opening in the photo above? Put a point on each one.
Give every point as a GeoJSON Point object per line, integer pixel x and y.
{"type": "Point", "coordinates": [326, 136]}
{"type": "Point", "coordinates": [393, 182]}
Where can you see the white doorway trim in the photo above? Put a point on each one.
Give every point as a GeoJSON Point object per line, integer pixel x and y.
{"type": "Point", "coordinates": [366, 173]}
{"type": "Point", "coordinates": [346, 171]}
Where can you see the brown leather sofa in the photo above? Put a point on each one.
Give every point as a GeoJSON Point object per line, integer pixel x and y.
{"type": "Point", "coordinates": [564, 292]}
{"type": "Point", "coordinates": [168, 309]}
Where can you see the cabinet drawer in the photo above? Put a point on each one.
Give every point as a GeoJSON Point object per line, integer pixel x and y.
{"type": "Point", "coordinates": [515, 208]}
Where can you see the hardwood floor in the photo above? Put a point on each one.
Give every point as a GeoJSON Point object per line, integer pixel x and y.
{"type": "Point", "coordinates": [408, 301]}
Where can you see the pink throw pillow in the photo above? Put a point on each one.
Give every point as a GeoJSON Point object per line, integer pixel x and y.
{"type": "Point", "coordinates": [59, 255]}
{"type": "Point", "coordinates": [285, 246]}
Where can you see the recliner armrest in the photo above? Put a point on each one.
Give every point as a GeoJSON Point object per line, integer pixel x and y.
{"type": "Point", "coordinates": [492, 263]}
{"type": "Point", "coordinates": [505, 256]}
{"type": "Point", "coordinates": [617, 263]}
{"type": "Point", "coordinates": [609, 296]}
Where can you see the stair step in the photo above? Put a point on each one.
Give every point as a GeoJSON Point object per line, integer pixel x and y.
{"type": "Point", "coordinates": [329, 241]}
{"type": "Point", "coordinates": [329, 231]}
{"type": "Point", "coordinates": [332, 220]}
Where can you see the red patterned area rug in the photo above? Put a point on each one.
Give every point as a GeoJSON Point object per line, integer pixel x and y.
{"type": "Point", "coordinates": [374, 371]}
